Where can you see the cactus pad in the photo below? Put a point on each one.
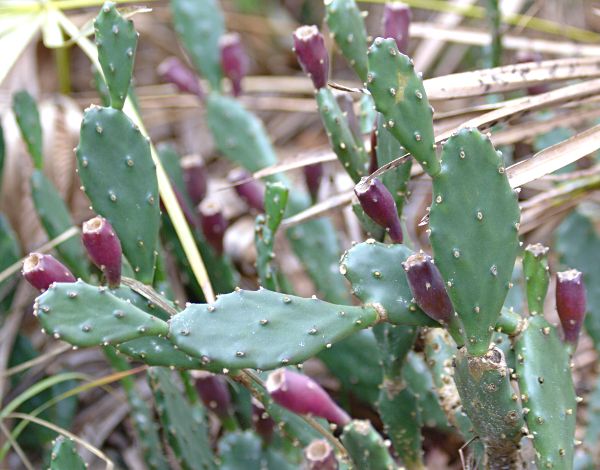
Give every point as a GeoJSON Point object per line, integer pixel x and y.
{"type": "Point", "coordinates": [28, 119]}
{"type": "Point", "coordinates": [199, 26]}
{"type": "Point", "coordinates": [119, 177]}
{"type": "Point", "coordinates": [158, 351]}
{"type": "Point", "coordinates": [116, 40]}
{"type": "Point", "coordinates": [55, 219]}
{"type": "Point", "coordinates": [474, 223]}
{"type": "Point", "coordinates": [400, 97]}
{"type": "Point", "coordinates": [547, 389]}
{"type": "Point", "coordinates": [64, 455]}
{"type": "Point", "coordinates": [85, 315]}
{"type": "Point", "coordinates": [347, 26]}
{"type": "Point", "coordinates": [349, 150]}
{"type": "Point", "coordinates": [376, 274]}
{"type": "Point", "coordinates": [264, 330]}
{"type": "Point", "coordinates": [183, 423]}
{"type": "Point", "coordinates": [537, 276]}
{"type": "Point", "coordinates": [366, 447]}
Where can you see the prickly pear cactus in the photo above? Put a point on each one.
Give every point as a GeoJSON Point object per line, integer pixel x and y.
{"type": "Point", "coordinates": [474, 222]}
{"type": "Point", "coordinates": [119, 177]}
{"type": "Point", "coordinates": [199, 26]}
{"type": "Point", "coordinates": [64, 456]}
{"type": "Point", "coordinates": [28, 119]}
{"type": "Point", "coordinates": [366, 447]}
{"type": "Point", "coordinates": [347, 27]}
{"type": "Point", "coordinates": [116, 40]}
{"type": "Point", "coordinates": [275, 329]}
{"type": "Point", "coordinates": [546, 385]}
{"type": "Point", "coordinates": [376, 274]}
{"type": "Point", "coordinates": [85, 315]}
{"type": "Point", "coordinates": [400, 97]}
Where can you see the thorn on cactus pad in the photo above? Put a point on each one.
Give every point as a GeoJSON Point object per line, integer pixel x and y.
{"type": "Point", "coordinates": [41, 271]}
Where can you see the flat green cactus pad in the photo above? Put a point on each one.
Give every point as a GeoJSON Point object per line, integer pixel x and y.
{"type": "Point", "coordinates": [28, 119]}
{"type": "Point", "coordinates": [474, 222]}
{"type": "Point", "coordinates": [263, 329]}
{"type": "Point", "coordinates": [119, 177]}
{"type": "Point", "coordinates": [116, 40]}
{"type": "Point", "coordinates": [366, 447]}
{"type": "Point", "coordinates": [547, 387]}
{"type": "Point", "coordinates": [85, 315]}
{"type": "Point", "coordinates": [158, 351]}
{"type": "Point", "coordinates": [347, 26]}
{"type": "Point", "coordinates": [64, 455]}
{"type": "Point", "coordinates": [199, 26]}
{"type": "Point", "coordinates": [400, 97]}
{"type": "Point", "coordinates": [377, 276]}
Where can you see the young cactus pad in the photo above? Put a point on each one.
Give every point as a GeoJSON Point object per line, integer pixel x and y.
{"type": "Point", "coordinates": [199, 26]}
{"type": "Point", "coordinates": [376, 274]}
{"type": "Point", "coordinates": [347, 27]}
{"type": "Point", "coordinates": [400, 97]}
{"type": "Point", "coordinates": [84, 315]}
{"type": "Point", "coordinates": [64, 455]}
{"type": "Point", "coordinates": [119, 177]}
{"type": "Point", "coordinates": [28, 119]}
{"type": "Point", "coordinates": [547, 389]}
{"type": "Point", "coordinates": [116, 39]}
{"type": "Point", "coordinates": [474, 222]}
{"type": "Point", "coordinates": [263, 329]}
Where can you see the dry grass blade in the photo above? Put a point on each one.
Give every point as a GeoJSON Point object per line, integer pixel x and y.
{"type": "Point", "coordinates": [42, 422]}
{"type": "Point", "coordinates": [37, 360]}
{"type": "Point", "coordinates": [15, 445]}
{"type": "Point", "coordinates": [475, 37]}
{"type": "Point", "coordinates": [318, 210]}
{"type": "Point", "coordinates": [555, 157]}
{"type": "Point", "coordinates": [510, 77]}
{"type": "Point", "coordinates": [148, 293]}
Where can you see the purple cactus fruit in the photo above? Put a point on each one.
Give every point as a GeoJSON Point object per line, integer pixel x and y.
{"type": "Point", "coordinates": [41, 271]}
{"type": "Point", "coordinates": [309, 46]}
{"type": "Point", "coordinates": [213, 224]}
{"type": "Point", "coordinates": [174, 71]}
{"type": "Point", "coordinates": [396, 22]}
{"type": "Point", "coordinates": [319, 455]}
{"type": "Point", "coordinates": [195, 177]}
{"type": "Point", "coordinates": [248, 189]}
{"type": "Point", "coordinates": [262, 421]}
{"type": "Point", "coordinates": [570, 303]}
{"type": "Point", "coordinates": [215, 394]}
{"type": "Point", "coordinates": [373, 163]}
{"type": "Point", "coordinates": [378, 203]}
{"type": "Point", "coordinates": [427, 287]}
{"type": "Point", "coordinates": [234, 60]}
{"type": "Point", "coordinates": [104, 248]}
{"type": "Point", "coordinates": [301, 394]}
{"type": "Point", "coordinates": [313, 175]}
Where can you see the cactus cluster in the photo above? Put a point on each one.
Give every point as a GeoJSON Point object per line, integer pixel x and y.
{"type": "Point", "coordinates": [443, 346]}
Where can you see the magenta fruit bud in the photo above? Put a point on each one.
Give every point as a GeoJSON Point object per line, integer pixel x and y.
{"type": "Point", "coordinates": [396, 22]}
{"type": "Point", "coordinates": [213, 224]}
{"type": "Point", "coordinates": [319, 455]}
{"type": "Point", "coordinates": [174, 71]}
{"type": "Point", "coordinates": [250, 190]}
{"type": "Point", "coordinates": [378, 203]}
{"type": "Point", "coordinates": [263, 423]}
{"type": "Point", "coordinates": [41, 271]}
{"type": "Point", "coordinates": [309, 46]}
{"type": "Point", "coordinates": [104, 248]}
{"type": "Point", "coordinates": [215, 394]}
{"type": "Point", "coordinates": [301, 394]}
{"type": "Point", "coordinates": [195, 177]}
{"type": "Point", "coordinates": [570, 303]}
{"type": "Point", "coordinates": [234, 60]}
{"type": "Point", "coordinates": [427, 287]}
{"type": "Point", "coordinates": [313, 175]}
